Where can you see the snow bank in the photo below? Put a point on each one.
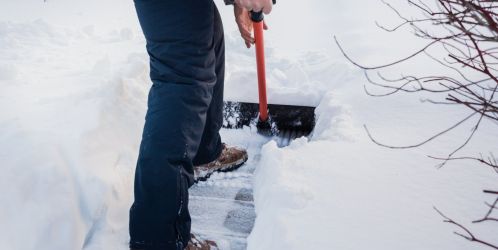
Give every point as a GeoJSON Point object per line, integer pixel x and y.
{"type": "Point", "coordinates": [340, 191]}
{"type": "Point", "coordinates": [73, 107]}
{"type": "Point", "coordinates": [73, 88]}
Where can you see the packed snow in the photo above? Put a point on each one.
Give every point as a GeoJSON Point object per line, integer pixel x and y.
{"type": "Point", "coordinates": [73, 90]}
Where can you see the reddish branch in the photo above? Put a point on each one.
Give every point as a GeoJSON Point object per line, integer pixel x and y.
{"type": "Point", "coordinates": [467, 30]}
{"type": "Point", "coordinates": [468, 235]}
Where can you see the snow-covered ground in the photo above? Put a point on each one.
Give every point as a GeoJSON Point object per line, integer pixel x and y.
{"type": "Point", "coordinates": [73, 88]}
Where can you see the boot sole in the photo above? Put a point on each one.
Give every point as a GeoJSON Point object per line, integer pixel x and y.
{"type": "Point", "coordinates": [231, 168]}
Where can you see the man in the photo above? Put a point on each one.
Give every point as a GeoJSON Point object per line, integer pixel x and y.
{"type": "Point", "coordinates": [187, 62]}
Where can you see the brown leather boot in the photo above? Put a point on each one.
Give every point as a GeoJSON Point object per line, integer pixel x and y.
{"type": "Point", "coordinates": [199, 244]}
{"type": "Point", "coordinates": [230, 159]}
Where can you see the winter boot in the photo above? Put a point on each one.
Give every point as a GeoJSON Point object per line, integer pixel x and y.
{"type": "Point", "coordinates": [199, 244]}
{"type": "Point", "coordinates": [230, 159]}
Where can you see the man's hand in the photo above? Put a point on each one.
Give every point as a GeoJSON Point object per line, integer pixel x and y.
{"type": "Point", "coordinates": [256, 5]}
{"type": "Point", "coordinates": [243, 19]}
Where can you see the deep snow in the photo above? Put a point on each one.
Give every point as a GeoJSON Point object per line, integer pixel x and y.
{"type": "Point", "coordinates": [73, 88]}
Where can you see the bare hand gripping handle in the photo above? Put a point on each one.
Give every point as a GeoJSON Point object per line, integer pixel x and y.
{"type": "Point", "coordinates": [257, 18]}
{"type": "Point", "coordinates": [231, 2]}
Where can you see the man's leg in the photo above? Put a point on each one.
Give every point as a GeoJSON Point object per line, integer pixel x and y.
{"type": "Point", "coordinates": [212, 156]}
{"type": "Point", "coordinates": [211, 146]}
{"type": "Point", "coordinates": [180, 43]}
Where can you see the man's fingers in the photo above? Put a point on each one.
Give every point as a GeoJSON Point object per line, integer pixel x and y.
{"type": "Point", "coordinates": [267, 8]}
{"type": "Point", "coordinates": [245, 30]}
{"type": "Point", "coordinates": [256, 7]}
{"type": "Point", "coordinates": [248, 38]}
{"type": "Point", "coordinates": [245, 33]}
{"type": "Point", "coordinates": [243, 17]}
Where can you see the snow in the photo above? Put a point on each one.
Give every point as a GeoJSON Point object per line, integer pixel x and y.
{"type": "Point", "coordinates": [73, 89]}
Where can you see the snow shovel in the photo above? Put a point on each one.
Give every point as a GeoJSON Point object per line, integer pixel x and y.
{"type": "Point", "coordinates": [284, 121]}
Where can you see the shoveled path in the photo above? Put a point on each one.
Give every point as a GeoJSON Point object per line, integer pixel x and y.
{"type": "Point", "coordinates": [222, 208]}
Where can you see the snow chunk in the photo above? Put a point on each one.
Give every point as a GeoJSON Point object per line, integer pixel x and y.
{"type": "Point", "coordinates": [334, 121]}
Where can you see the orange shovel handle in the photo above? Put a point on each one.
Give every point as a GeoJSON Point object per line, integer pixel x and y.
{"type": "Point", "coordinates": [260, 61]}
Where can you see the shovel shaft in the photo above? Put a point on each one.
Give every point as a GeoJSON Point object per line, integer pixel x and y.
{"type": "Point", "coordinates": [260, 61]}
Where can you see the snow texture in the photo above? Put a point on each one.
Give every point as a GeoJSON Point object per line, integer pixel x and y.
{"type": "Point", "coordinates": [73, 90]}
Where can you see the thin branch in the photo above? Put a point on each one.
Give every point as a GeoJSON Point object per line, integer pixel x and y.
{"type": "Point", "coordinates": [468, 235]}
{"type": "Point", "coordinates": [423, 142]}
{"type": "Point", "coordinates": [388, 64]}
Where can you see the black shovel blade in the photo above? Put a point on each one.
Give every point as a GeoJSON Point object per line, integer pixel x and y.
{"type": "Point", "coordinates": [284, 119]}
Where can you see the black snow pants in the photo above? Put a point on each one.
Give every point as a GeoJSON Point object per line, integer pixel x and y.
{"type": "Point", "coordinates": [187, 63]}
